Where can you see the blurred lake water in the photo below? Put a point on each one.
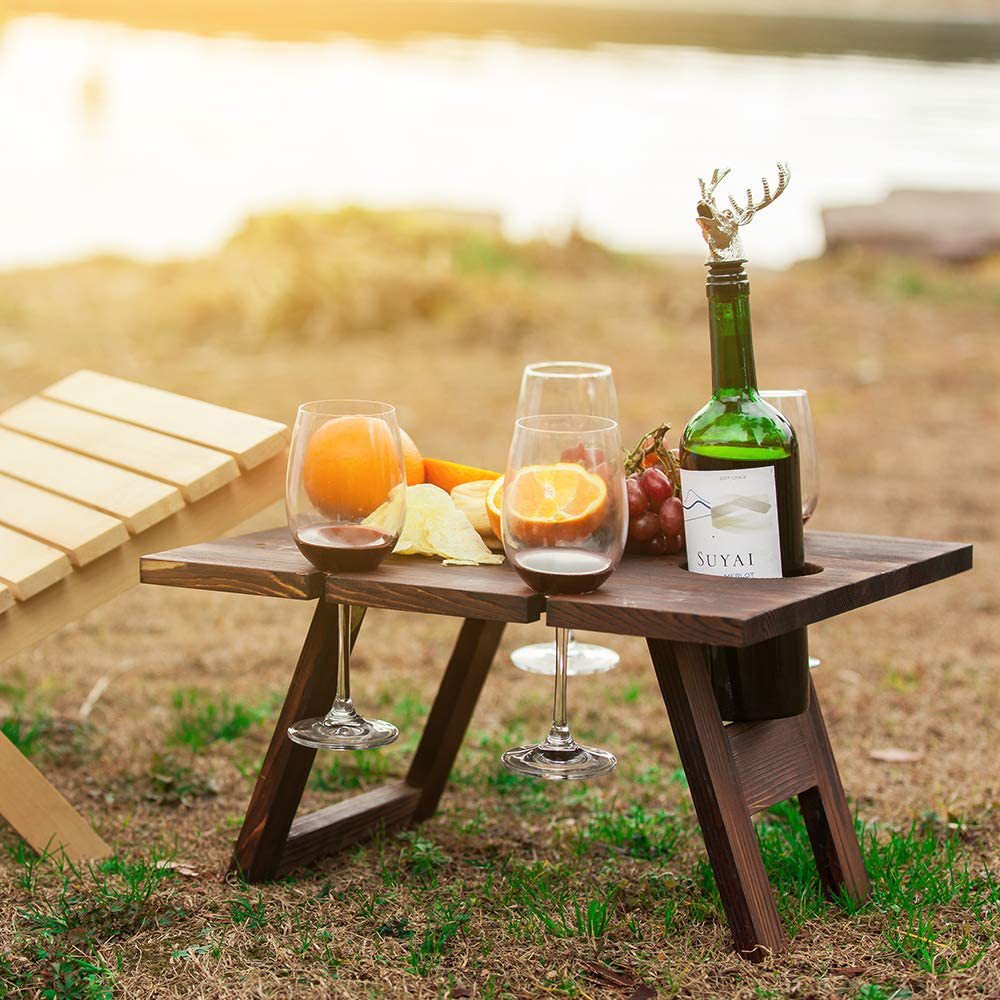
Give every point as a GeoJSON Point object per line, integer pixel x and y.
{"type": "Point", "coordinates": [158, 144]}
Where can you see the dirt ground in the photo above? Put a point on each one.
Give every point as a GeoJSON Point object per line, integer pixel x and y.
{"type": "Point", "coordinates": [902, 368]}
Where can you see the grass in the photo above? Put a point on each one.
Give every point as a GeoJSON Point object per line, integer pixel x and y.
{"type": "Point", "coordinates": [199, 721]}
{"type": "Point", "coordinates": [70, 914]}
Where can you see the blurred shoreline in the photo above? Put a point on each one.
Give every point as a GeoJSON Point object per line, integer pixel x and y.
{"type": "Point", "coordinates": [961, 31]}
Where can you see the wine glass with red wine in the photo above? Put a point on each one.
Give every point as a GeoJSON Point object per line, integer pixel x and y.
{"type": "Point", "coordinates": [564, 522]}
{"type": "Point", "coordinates": [566, 387]}
{"type": "Point", "coordinates": [346, 501]}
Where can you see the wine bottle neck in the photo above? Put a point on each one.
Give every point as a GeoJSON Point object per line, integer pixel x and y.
{"type": "Point", "coordinates": [733, 370]}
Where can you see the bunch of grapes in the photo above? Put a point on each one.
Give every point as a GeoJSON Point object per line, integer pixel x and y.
{"type": "Point", "coordinates": [655, 515]}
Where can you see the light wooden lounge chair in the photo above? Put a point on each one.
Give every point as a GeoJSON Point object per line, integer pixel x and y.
{"type": "Point", "coordinates": [95, 471]}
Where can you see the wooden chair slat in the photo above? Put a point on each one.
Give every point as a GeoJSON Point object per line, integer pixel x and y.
{"type": "Point", "coordinates": [27, 566]}
{"type": "Point", "coordinates": [247, 438]}
{"type": "Point", "coordinates": [137, 500]}
{"type": "Point", "coordinates": [193, 469]}
{"type": "Point", "coordinates": [89, 586]}
{"type": "Point", "coordinates": [81, 532]}
{"type": "Point", "coordinates": [6, 598]}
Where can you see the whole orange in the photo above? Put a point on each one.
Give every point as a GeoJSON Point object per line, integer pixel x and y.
{"type": "Point", "coordinates": [414, 460]}
{"type": "Point", "coordinates": [350, 465]}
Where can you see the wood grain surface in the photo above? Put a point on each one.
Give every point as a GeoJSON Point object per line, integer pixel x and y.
{"type": "Point", "coordinates": [651, 597]}
{"type": "Point", "coordinates": [267, 563]}
{"type": "Point", "coordinates": [657, 598]}
{"type": "Point", "coordinates": [137, 500]}
{"type": "Point", "coordinates": [249, 439]}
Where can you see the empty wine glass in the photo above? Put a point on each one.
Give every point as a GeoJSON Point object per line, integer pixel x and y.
{"type": "Point", "coordinates": [794, 404]}
{"type": "Point", "coordinates": [564, 523]}
{"type": "Point", "coordinates": [566, 387]}
{"type": "Point", "coordinates": [345, 495]}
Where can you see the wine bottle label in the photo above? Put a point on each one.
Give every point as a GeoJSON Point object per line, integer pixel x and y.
{"type": "Point", "coordinates": [731, 521]}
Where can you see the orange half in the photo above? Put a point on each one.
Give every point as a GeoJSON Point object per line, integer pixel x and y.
{"type": "Point", "coordinates": [554, 503]}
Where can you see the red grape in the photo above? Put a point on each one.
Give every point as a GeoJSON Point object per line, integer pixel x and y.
{"type": "Point", "coordinates": [575, 454]}
{"type": "Point", "coordinates": [656, 546]}
{"type": "Point", "coordinates": [656, 486]}
{"type": "Point", "coordinates": [637, 502]}
{"type": "Point", "coordinates": [672, 517]}
{"type": "Point", "coordinates": [643, 527]}
{"type": "Point", "coordinates": [675, 544]}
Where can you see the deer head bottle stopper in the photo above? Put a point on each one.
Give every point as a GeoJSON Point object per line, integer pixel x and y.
{"type": "Point", "coordinates": [721, 226]}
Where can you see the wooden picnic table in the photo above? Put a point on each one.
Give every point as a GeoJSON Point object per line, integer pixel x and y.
{"type": "Point", "coordinates": [733, 771]}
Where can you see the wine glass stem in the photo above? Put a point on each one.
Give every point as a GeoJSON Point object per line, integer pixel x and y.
{"type": "Point", "coordinates": [342, 702]}
{"type": "Point", "coordinates": [570, 641]}
{"type": "Point", "coordinates": [559, 734]}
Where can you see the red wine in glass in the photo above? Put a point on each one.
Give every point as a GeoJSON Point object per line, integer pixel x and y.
{"type": "Point", "coordinates": [337, 548]}
{"type": "Point", "coordinates": [562, 570]}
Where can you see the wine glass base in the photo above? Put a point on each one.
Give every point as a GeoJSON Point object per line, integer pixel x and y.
{"type": "Point", "coordinates": [559, 765]}
{"type": "Point", "coordinates": [355, 734]}
{"type": "Point", "coordinates": [583, 658]}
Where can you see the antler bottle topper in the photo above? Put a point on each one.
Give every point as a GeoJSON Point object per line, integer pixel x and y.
{"type": "Point", "coordinates": [721, 226]}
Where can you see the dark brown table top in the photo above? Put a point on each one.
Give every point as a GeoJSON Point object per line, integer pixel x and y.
{"type": "Point", "coordinates": [654, 597]}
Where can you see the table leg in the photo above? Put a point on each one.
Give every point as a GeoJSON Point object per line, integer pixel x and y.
{"type": "Point", "coordinates": [272, 841]}
{"type": "Point", "coordinates": [682, 672]}
{"type": "Point", "coordinates": [737, 770]}
{"type": "Point", "coordinates": [828, 818]}
{"type": "Point", "coordinates": [285, 770]}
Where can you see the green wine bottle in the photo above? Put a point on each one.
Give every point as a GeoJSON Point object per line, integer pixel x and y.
{"type": "Point", "coordinates": [740, 481]}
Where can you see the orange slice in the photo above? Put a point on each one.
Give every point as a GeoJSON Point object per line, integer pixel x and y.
{"type": "Point", "coordinates": [448, 475]}
{"type": "Point", "coordinates": [494, 498]}
{"type": "Point", "coordinates": [555, 503]}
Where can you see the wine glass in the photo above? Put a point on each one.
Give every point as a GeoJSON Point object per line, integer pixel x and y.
{"type": "Point", "coordinates": [564, 522]}
{"type": "Point", "coordinates": [566, 387]}
{"type": "Point", "coordinates": [794, 404]}
{"type": "Point", "coordinates": [345, 495]}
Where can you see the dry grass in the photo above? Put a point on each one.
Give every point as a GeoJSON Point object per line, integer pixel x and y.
{"type": "Point", "coordinates": [901, 362]}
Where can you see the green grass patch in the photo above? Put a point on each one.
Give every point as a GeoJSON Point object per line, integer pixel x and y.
{"type": "Point", "coordinates": [444, 921]}
{"type": "Point", "coordinates": [940, 911]}
{"type": "Point", "coordinates": [199, 721]}
{"type": "Point", "coordinates": [341, 772]}
{"type": "Point", "coordinates": [634, 831]}
{"type": "Point", "coordinates": [70, 912]}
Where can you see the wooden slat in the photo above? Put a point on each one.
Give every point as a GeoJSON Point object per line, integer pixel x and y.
{"type": "Point", "coordinates": [137, 500]}
{"type": "Point", "coordinates": [193, 469]}
{"type": "Point", "coordinates": [92, 585]}
{"type": "Point", "coordinates": [40, 814]}
{"type": "Point", "coordinates": [772, 760]}
{"type": "Point", "coordinates": [356, 819]}
{"type": "Point", "coordinates": [28, 566]}
{"type": "Point", "coordinates": [81, 532]}
{"type": "Point", "coordinates": [6, 598]}
{"type": "Point", "coordinates": [249, 439]}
